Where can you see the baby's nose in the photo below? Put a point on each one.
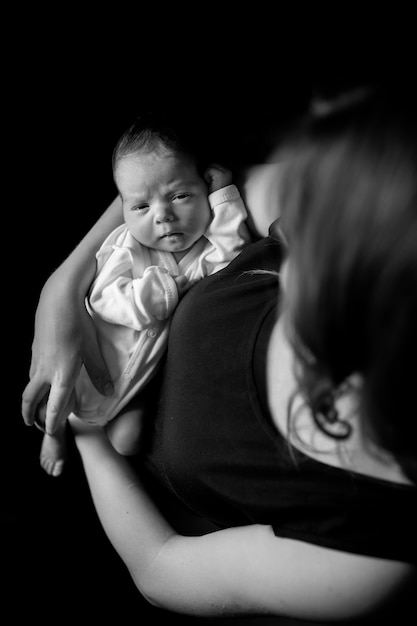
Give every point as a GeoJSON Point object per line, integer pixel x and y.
{"type": "Point", "coordinates": [164, 213]}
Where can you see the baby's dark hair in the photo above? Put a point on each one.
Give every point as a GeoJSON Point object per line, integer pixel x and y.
{"type": "Point", "coordinates": [349, 206]}
{"type": "Point", "coordinates": [155, 129]}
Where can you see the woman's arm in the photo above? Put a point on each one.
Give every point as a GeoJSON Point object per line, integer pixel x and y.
{"type": "Point", "coordinates": [64, 332]}
{"type": "Point", "coordinates": [246, 570]}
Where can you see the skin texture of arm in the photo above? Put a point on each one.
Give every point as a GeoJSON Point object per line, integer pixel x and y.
{"type": "Point", "coordinates": [64, 332]}
{"type": "Point", "coordinates": [239, 571]}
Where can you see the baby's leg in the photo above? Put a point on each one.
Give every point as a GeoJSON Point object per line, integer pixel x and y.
{"type": "Point", "coordinates": [125, 430]}
{"type": "Point", "coordinates": [54, 447]}
{"type": "Point", "coordinates": [54, 452]}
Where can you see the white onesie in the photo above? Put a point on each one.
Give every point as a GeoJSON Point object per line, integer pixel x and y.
{"type": "Point", "coordinates": [134, 295]}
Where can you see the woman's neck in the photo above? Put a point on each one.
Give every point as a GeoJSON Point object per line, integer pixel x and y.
{"type": "Point", "coordinates": [357, 453]}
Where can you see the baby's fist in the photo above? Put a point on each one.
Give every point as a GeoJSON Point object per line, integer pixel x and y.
{"type": "Point", "coordinates": [217, 177]}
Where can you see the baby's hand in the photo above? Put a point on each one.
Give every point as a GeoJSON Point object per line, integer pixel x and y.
{"type": "Point", "coordinates": [183, 284]}
{"type": "Point", "coordinates": [217, 177]}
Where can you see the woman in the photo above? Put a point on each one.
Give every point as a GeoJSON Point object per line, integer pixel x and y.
{"type": "Point", "coordinates": [294, 436]}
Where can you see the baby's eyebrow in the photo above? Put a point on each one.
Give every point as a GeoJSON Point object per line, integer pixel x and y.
{"type": "Point", "coordinates": [135, 197]}
{"type": "Point", "coordinates": [181, 184]}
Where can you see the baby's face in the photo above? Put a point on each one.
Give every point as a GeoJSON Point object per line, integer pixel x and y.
{"type": "Point", "coordinates": [165, 202]}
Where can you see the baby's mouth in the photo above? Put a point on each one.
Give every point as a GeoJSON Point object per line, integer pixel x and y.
{"type": "Point", "coordinates": [171, 234]}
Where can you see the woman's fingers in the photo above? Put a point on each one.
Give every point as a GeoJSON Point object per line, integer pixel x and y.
{"type": "Point", "coordinates": [57, 407]}
{"type": "Point", "coordinates": [55, 394]}
{"type": "Point", "coordinates": [33, 395]}
{"type": "Point", "coordinates": [62, 343]}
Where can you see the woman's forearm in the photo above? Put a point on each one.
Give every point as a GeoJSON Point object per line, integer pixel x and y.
{"type": "Point", "coordinates": [77, 270]}
{"type": "Point", "coordinates": [65, 336]}
{"type": "Point", "coordinates": [243, 570]}
{"type": "Point", "coordinates": [134, 525]}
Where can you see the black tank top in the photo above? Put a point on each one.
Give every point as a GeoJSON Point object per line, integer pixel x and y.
{"type": "Point", "coordinates": [213, 444]}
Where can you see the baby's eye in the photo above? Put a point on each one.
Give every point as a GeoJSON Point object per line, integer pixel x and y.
{"type": "Point", "coordinates": [140, 207]}
{"type": "Point", "coordinates": [181, 196]}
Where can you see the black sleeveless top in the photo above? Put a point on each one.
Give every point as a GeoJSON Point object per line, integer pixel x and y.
{"type": "Point", "coordinates": [213, 444]}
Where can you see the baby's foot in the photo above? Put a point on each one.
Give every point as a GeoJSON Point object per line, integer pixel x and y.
{"type": "Point", "coordinates": [53, 454]}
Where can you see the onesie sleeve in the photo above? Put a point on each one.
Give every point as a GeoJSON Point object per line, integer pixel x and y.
{"type": "Point", "coordinates": [227, 232]}
{"type": "Point", "coordinates": [118, 298]}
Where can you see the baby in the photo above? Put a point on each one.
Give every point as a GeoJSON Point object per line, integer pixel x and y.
{"type": "Point", "coordinates": [183, 220]}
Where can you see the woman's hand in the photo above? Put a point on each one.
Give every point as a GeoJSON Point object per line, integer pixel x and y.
{"type": "Point", "coordinates": [65, 338]}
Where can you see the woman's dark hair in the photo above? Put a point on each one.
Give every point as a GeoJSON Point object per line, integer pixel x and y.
{"type": "Point", "coordinates": [158, 129]}
{"type": "Point", "coordinates": [349, 206]}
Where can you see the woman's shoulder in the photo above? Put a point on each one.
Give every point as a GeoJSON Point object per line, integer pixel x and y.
{"type": "Point", "coordinates": [258, 186]}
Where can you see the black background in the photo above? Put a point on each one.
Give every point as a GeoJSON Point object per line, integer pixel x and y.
{"type": "Point", "coordinates": [65, 115]}
{"type": "Point", "coordinates": [69, 91]}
